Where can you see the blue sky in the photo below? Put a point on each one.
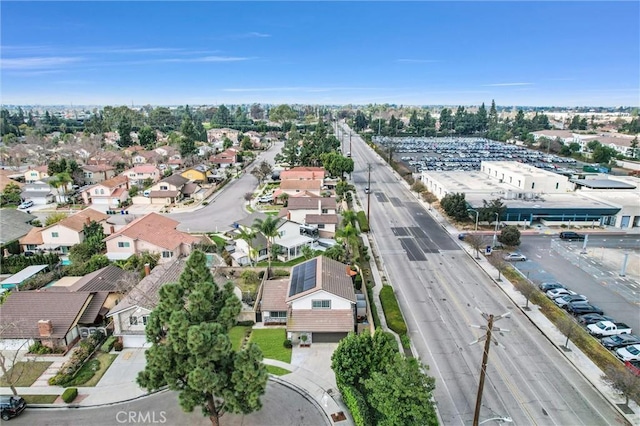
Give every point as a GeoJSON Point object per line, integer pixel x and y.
{"type": "Point", "coordinates": [413, 53]}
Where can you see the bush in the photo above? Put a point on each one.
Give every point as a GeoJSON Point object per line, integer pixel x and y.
{"type": "Point", "coordinates": [287, 344]}
{"type": "Point", "coordinates": [205, 203]}
{"type": "Point", "coordinates": [261, 274]}
{"type": "Point", "coordinates": [67, 372]}
{"type": "Point", "coordinates": [374, 309]}
{"type": "Point", "coordinates": [69, 395]}
{"type": "Point", "coordinates": [39, 348]}
{"type": "Point", "coordinates": [362, 221]}
{"type": "Point", "coordinates": [247, 323]}
{"type": "Point", "coordinates": [356, 404]}
{"type": "Point", "coordinates": [510, 236]}
{"type": "Point", "coordinates": [281, 273]}
{"type": "Point", "coordinates": [357, 282]}
{"type": "Point", "coordinates": [392, 311]}
{"type": "Point", "coordinates": [108, 345]}
{"type": "Point", "coordinates": [117, 346]}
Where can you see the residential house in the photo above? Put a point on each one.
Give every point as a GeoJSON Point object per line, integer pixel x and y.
{"type": "Point", "coordinates": [145, 157]}
{"type": "Point", "coordinates": [167, 151]}
{"type": "Point", "coordinates": [5, 179]}
{"type": "Point", "coordinates": [295, 188]}
{"type": "Point", "coordinates": [227, 158]}
{"type": "Point", "coordinates": [14, 224]}
{"type": "Point", "coordinates": [36, 174]}
{"type": "Point", "coordinates": [168, 190]}
{"type": "Point", "coordinates": [321, 301]}
{"type": "Point", "coordinates": [197, 174]}
{"type": "Point", "coordinates": [138, 175]}
{"type": "Point", "coordinates": [303, 173]}
{"type": "Point", "coordinates": [319, 212]}
{"type": "Point", "coordinates": [175, 163]}
{"type": "Point", "coordinates": [130, 151]}
{"type": "Point", "coordinates": [63, 235]}
{"type": "Point", "coordinates": [106, 157]}
{"type": "Point", "coordinates": [111, 192]}
{"type": "Point", "coordinates": [131, 314]}
{"type": "Point", "coordinates": [215, 135]}
{"type": "Point", "coordinates": [566, 136]}
{"type": "Point", "coordinates": [93, 174]}
{"type": "Point", "coordinates": [51, 318]}
{"type": "Point", "coordinates": [273, 308]}
{"type": "Point", "coordinates": [151, 233]}
{"type": "Point", "coordinates": [41, 193]}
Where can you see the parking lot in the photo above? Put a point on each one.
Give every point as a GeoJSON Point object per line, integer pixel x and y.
{"type": "Point", "coordinates": [464, 153]}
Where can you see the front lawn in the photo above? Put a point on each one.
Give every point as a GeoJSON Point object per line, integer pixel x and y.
{"type": "Point", "coordinates": [236, 335]}
{"type": "Point", "coordinates": [105, 360]}
{"type": "Point", "coordinates": [24, 373]}
{"type": "Point", "coordinates": [40, 399]}
{"type": "Point", "coordinates": [277, 371]}
{"type": "Point", "coordinates": [271, 342]}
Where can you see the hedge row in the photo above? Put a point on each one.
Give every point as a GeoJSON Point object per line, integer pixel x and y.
{"type": "Point", "coordinates": [392, 313]}
{"type": "Point", "coordinates": [356, 404]}
{"type": "Point", "coordinates": [362, 221]}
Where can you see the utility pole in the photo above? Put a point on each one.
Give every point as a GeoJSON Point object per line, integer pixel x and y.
{"type": "Point", "coordinates": [350, 141]}
{"type": "Point", "coordinates": [485, 356]}
{"type": "Point", "coordinates": [369, 196]}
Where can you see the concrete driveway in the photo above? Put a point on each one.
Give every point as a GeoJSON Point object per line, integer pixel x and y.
{"type": "Point", "coordinates": [317, 360]}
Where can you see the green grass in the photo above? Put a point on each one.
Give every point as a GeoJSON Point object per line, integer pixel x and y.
{"type": "Point", "coordinates": [24, 373]}
{"type": "Point", "coordinates": [40, 399]}
{"type": "Point", "coordinates": [293, 262]}
{"type": "Point", "coordinates": [105, 362]}
{"type": "Point", "coordinates": [270, 341]}
{"type": "Point", "coordinates": [392, 313]}
{"type": "Point", "coordinates": [277, 371]}
{"type": "Point", "coordinates": [218, 240]}
{"type": "Point", "coordinates": [236, 335]}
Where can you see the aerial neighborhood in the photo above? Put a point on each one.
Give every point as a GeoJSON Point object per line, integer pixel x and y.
{"type": "Point", "coordinates": [301, 235]}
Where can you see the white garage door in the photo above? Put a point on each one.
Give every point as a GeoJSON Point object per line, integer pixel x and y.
{"type": "Point", "coordinates": [101, 201]}
{"type": "Point", "coordinates": [135, 342]}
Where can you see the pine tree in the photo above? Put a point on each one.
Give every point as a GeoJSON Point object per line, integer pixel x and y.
{"type": "Point", "coordinates": [191, 352]}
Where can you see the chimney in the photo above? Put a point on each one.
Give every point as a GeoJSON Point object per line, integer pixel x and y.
{"type": "Point", "coordinates": [112, 229]}
{"type": "Point", "coordinates": [147, 269]}
{"type": "Point", "coordinates": [45, 328]}
{"type": "Point", "coordinates": [88, 221]}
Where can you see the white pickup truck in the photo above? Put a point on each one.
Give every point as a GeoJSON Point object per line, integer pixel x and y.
{"type": "Point", "coordinates": [608, 328]}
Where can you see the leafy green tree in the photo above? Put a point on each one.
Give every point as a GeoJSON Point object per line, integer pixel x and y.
{"type": "Point", "coordinates": [187, 129]}
{"type": "Point", "coordinates": [60, 181]}
{"type": "Point", "coordinates": [487, 213]}
{"type": "Point", "coordinates": [482, 120]}
{"type": "Point", "coordinates": [11, 194]}
{"type": "Point", "coordinates": [282, 113]}
{"type": "Point", "coordinates": [634, 147]}
{"type": "Point", "coordinates": [222, 117]}
{"type": "Point", "coordinates": [227, 143]}
{"type": "Point", "coordinates": [455, 206]}
{"type": "Point", "coordinates": [248, 235]}
{"type": "Point", "coordinates": [360, 122]}
{"type": "Point", "coordinates": [190, 348]}
{"type": "Point", "coordinates": [124, 132]}
{"type": "Point", "coordinates": [269, 228]}
{"type": "Point", "coordinates": [336, 164]}
{"type": "Point", "coordinates": [147, 137]}
{"type": "Point", "coordinates": [187, 147]}
{"type": "Point", "coordinates": [510, 236]}
{"type": "Point", "coordinates": [94, 236]}
{"type": "Point", "coordinates": [246, 143]}
{"type": "Point", "coordinates": [603, 154]}
{"type": "Point", "coordinates": [54, 218]}
{"type": "Point", "coordinates": [402, 394]}
{"type": "Point", "coordinates": [336, 252]}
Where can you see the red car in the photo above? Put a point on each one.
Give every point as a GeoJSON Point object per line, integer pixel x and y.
{"type": "Point", "coordinates": [634, 366]}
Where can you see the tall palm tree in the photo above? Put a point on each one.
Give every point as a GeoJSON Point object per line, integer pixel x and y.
{"type": "Point", "coordinates": [247, 235]}
{"type": "Point", "coordinates": [348, 234]}
{"type": "Point", "coordinates": [60, 181]}
{"type": "Point", "coordinates": [349, 216]}
{"type": "Point", "coordinates": [269, 228]}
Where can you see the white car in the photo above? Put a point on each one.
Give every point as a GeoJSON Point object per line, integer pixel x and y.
{"type": "Point", "coordinates": [515, 256]}
{"type": "Point", "coordinates": [629, 353]}
{"type": "Point", "coordinates": [266, 199]}
{"type": "Point", "coordinates": [26, 204]}
{"type": "Point", "coordinates": [557, 292]}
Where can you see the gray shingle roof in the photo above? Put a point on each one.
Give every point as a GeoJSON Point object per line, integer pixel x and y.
{"type": "Point", "coordinates": [145, 294]}
{"type": "Point", "coordinates": [107, 279]}
{"type": "Point", "coordinates": [14, 224]}
{"type": "Point", "coordinates": [311, 203]}
{"type": "Point", "coordinates": [94, 309]}
{"type": "Point", "coordinates": [176, 180]}
{"type": "Point", "coordinates": [331, 276]}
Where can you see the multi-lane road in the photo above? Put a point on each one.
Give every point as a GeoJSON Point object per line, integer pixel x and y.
{"type": "Point", "coordinates": [439, 287]}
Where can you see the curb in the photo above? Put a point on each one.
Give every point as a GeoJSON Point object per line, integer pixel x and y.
{"type": "Point", "coordinates": [306, 395]}
{"type": "Point", "coordinates": [105, 404]}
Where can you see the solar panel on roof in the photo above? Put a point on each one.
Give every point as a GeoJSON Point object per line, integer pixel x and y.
{"type": "Point", "coordinates": [303, 277]}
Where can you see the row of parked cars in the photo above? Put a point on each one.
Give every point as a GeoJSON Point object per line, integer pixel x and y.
{"type": "Point", "coordinates": [615, 336]}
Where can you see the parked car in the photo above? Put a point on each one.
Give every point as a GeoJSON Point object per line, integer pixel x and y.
{"type": "Point", "coordinates": [593, 318]}
{"type": "Point", "coordinates": [580, 308]}
{"type": "Point", "coordinates": [564, 300]}
{"type": "Point", "coordinates": [557, 292]}
{"type": "Point", "coordinates": [571, 236]}
{"type": "Point", "coordinates": [462, 236]}
{"type": "Point", "coordinates": [515, 257]}
{"type": "Point", "coordinates": [620, 341]}
{"type": "Point", "coordinates": [26, 204]}
{"type": "Point", "coordinates": [266, 199]}
{"type": "Point", "coordinates": [629, 353]}
{"type": "Point", "coordinates": [11, 406]}
{"type": "Point", "coordinates": [633, 366]}
{"type": "Point", "coordinates": [550, 286]}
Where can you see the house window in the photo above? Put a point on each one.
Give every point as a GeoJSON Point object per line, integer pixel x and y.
{"type": "Point", "coordinates": [278, 314]}
{"type": "Point", "coordinates": [133, 320]}
{"type": "Point", "coordinates": [321, 226]}
{"type": "Point", "coordinates": [321, 304]}
{"type": "Point", "coordinates": [164, 188]}
{"type": "Point", "coordinates": [145, 319]}
{"type": "Point", "coordinates": [533, 185]}
{"type": "Point", "coordinates": [31, 247]}
{"type": "Point", "coordinates": [102, 192]}
{"type": "Point", "coordinates": [97, 191]}
{"type": "Point", "coordinates": [325, 211]}
{"type": "Point", "coordinates": [123, 244]}
{"type": "Point", "coordinates": [167, 254]}
{"type": "Point", "coordinates": [557, 185]}
{"type": "Point", "coordinates": [54, 235]}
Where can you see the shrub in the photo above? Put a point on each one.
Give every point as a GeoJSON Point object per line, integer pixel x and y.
{"type": "Point", "coordinates": [108, 345]}
{"type": "Point", "coordinates": [374, 309]}
{"type": "Point", "coordinates": [362, 221]}
{"type": "Point", "coordinates": [247, 323]}
{"type": "Point", "coordinates": [281, 273]}
{"type": "Point", "coordinates": [287, 344]}
{"type": "Point", "coordinates": [357, 282]}
{"type": "Point", "coordinates": [356, 404]}
{"type": "Point", "coordinates": [261, 274]}
{"type": "Point", "coordinates": [392, 310]}
{"type": "Point", "coordinates": [205, 203]}
{"type": "Point", "coordinates": [69, 395]}
{"type": "Point", "coordinates": [39, 348]}
{"type": "Point", "coordinates": [117, 346]}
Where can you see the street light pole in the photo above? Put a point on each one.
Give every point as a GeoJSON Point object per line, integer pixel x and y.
{"type": "Point", "coordinates": [476, 212]}
{"type": "Point", "coordinates": [495, 232]}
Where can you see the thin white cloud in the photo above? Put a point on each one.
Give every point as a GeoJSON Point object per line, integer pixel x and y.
{"type": "Point", "coordinates": [418, 61]}
{"type": "Point", "coordinates": [205, 59]}
{"type": "Point", "coordinates": [257, 34]}
{"type": "Point", "coordinates": [298, 89]}
{"type": "Point", "coordinates": [507, 84]}
{"type": "Point", "coordinates": [38, 62]}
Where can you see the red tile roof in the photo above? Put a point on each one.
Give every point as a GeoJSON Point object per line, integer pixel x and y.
{"type": "Point", "coordinates": [157, 230]}
{"type": "Point", "coordinates": [320, 320]}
